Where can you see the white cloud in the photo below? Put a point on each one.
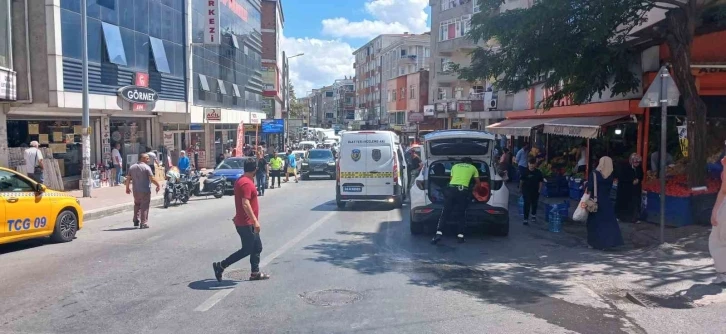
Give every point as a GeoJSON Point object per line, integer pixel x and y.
{"type": "Point", "coordinates": [389, 16]}
{"type": "Point", "coordinates": [324, 62]}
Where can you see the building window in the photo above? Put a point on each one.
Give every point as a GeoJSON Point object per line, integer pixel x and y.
{"type": "Point", "coordinates": [454, 28]}
{"type": "Point", "coordinates": [329, 94]}
{"type": "Point", "coordinates": [403, 53]}
{"type": "Point", "coordinates": [476, 6]}
{"type": "Point", "coordinates": [441, 93]}
{"type": "Point", "coordinates": [203, 83]}
{"type": "Point", "coordinates": [394, 95]}
{"type": "Point", "coordinates": [445, 64]}
{"type": "Point", "coordinates": [114, 44]}
{"type": "Point", "coordinates": [403, 93]}
{"type": "Point", "coordinates": [160, 59]}
{"type": "Point", "coordinates": [401, 118]}
{"type": "Point", "coordinates": [476, 90]}
{"type": "Point", "coordinates": [5, 38]}
{"type": "Point", "coordinates": [412, 89]}
{"type": "Point", "coordinates": [458, 92]}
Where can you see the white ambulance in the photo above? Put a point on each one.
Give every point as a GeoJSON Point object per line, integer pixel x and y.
{"type": "Point", "coordinates": [371, 168]}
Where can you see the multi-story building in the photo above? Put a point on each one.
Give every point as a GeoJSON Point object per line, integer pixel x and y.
{"type": "Point", "coordinates": [273, 62]}
{"type": "Point", "coordinates": [368, 79]}
{"type": "Point", "coordinates": [305, 112]}
{"type": "Point", "coordinates": [344, 100]}
{"type": "Point", "coordinates": [138, 48]}
{"type": "Point", "coordinates": [226, 82]}
{"type": "Point", "coordinates": [133, 46]}
{"type": "Point", "coordinates": [322, 107]}
{"type": "Point", "coordinates": [407, 55]}
{"type": "Point", "coordinates": [406, 97]}
{"type": "Point", "coordinates": [460, 103]}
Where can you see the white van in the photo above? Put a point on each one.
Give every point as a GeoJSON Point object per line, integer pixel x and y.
{"type": "Point", "coordinates": [371, 167]}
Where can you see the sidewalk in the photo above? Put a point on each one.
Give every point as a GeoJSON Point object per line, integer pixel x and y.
{"type": "Point", "coordinates": [688, 238]}
{"type": "Point", "coordinates": [109, 201]}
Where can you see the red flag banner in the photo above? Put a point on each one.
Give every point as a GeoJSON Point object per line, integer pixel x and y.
{"type": "Point", "coordinates": [240, 140]}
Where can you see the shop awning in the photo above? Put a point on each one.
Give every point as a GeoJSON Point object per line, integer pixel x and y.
{"type": "Point", "coordinates": [517, 127]}
{"type": "Point", "coordinates": [583, 127]}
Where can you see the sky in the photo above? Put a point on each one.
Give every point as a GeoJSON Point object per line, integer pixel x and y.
{"type": "Point", "coordinates": [328, 31]}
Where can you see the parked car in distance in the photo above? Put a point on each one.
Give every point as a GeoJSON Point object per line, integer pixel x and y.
{"type": "Point", "coordinates": [442, 150]}
{"type": "Point", "coordinates": [318, 162]}
{"type": "Point", "coordinates": [230, 170]}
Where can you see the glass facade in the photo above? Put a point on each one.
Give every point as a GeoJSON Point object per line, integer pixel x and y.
{"type": "Point", "coordinates": [136, 35]}
{"type": "Point", "coordinates": [228, 75]}
{"type": "Point", "coordinates": [5, 45]}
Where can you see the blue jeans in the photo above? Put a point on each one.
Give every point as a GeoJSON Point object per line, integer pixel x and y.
{"type": "Point", "coordinates": [119, 173]}
{"type": "Point", "coordinates": [261, 182]}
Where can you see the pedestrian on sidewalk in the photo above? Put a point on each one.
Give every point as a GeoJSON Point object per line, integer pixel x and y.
{"type": "Point", "coordinates": [522, 160]}
{"type": "Point", "coordinates": [603, 231]}
{"type": "Point", "coordinates": [263, 172]}
{"type": "Point", "coordinates": [629, 194]}
{"type": "Point", "coordinates": [717, 239]}
{"type": "Point", "coordinates": [276, 165]}
{"type": "Point", "coordinates": [140, 175]}
{"type": "Point", "coordinates": [291, 166]}
{"type": "Point", "coordinates": [34, 162]}
{"type": "Point", "coordinates": [530, 186]}
{"type": "Point", "coordinates": [152, 159]}
{"type": "Point", "coordinates": [117, 163]}
{"type": "Point", "coordinates": [183, 163]}
{"type": "Point", "coordinates": [505, 162]}
{"type": "Point", "coordinates": [581, 157]}
{"type": "Point", "coordinates": [456, 197]}
{"type": "Point", "coordinates": [246, 221]}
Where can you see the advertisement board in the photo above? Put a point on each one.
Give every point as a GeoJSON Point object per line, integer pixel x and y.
{"type": "Point", "coordinates": [211, 23]}
{"type": "Point", "coordinates": [273, 126]}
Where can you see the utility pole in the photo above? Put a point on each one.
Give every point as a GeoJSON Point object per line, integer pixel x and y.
{"type": "Point", "coordinates": [86, 136]}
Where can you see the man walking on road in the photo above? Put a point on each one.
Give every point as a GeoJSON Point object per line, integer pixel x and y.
{"type": "Point", "coordinates": [456, 196]}
{"type": "Point", "coordinates": [246, 221]}
{"type": "Point", "coordinates": [276, 165]}
{"type": "Point", "coordinates": [263, 173]}
{"type": "Point", "coordinates": [291, 166]}
{"type": "Point", "coordinates": [140, 175]}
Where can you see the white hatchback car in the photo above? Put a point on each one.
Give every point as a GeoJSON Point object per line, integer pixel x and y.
{"type": "Point", "coordinates": [443, 149]}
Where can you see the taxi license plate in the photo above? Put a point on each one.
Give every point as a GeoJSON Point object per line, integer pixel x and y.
{"type": "Point", "coordinates": [353, 189]}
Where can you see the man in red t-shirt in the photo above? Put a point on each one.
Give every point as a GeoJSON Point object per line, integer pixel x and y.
{"type": "Point", "coordinates": [247, 224]}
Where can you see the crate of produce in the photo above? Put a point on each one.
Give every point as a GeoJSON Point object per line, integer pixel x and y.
{"type": "Point", "coordinates": [678, 210]}
{"type": "Point", "coordinates": [576, 193]}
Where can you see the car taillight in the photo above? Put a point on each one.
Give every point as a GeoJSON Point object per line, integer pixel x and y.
{"type": "Point", "coordinates": [421, 184]}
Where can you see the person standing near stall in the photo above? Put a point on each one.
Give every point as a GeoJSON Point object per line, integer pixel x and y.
{"type": "Point", "coordinates": [630, 180]}
{"type": "Point", "coordinates": [530, 185]}
{"type": "Point", "coordinates": [117, 162]}
{"type": "Point", "coordinates": [522, 160]}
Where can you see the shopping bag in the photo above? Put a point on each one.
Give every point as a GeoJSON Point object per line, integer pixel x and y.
{"type": "Point", "coordinates": [581, 213]}
{"type": "Point", "coordinates": [717, 241]}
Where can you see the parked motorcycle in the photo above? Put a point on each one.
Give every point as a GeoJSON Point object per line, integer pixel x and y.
{"type": "Point", "coordinates": [211, 186]}
{"type": "Point", "coordinates": [175, 191]}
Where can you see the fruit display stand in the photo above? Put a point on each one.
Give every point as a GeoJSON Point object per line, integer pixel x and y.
{"type": "Point", "coordinates": [683, 207]}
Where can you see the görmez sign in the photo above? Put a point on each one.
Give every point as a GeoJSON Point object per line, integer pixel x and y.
{"type": "Point", "coordinates": [136, 94]}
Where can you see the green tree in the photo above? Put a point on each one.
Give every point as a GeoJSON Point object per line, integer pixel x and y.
{"type": "Point", "coordinates": [579, 48]}
{"type": "Point", "coordinates": [296, 107]}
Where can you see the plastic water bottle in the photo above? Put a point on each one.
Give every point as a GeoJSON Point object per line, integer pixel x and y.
{"type": "Point", "coordinates": [555, 223]}
{"type": "Point", "coordinates": [520, 203]}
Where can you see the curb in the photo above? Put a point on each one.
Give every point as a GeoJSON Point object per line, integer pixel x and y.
{"type": "Point", "coordinates": [116, 209]}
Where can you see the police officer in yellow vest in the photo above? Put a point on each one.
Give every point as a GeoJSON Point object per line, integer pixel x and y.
{"type": "Point", "coordinates": [457, 196]}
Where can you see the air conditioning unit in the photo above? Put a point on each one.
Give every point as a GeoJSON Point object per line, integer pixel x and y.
{"type": "Point", "coordinates": [492, 104]}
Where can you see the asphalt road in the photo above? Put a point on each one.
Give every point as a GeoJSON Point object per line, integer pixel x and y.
{"type": "Point", "coordinates": [333, 271]}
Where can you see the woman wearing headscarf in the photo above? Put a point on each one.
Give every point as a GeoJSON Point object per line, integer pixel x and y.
{"type": "Point", "coordinates": [630, 180]}
{"type": "Point", "coordinates": [603, 231]}
{"type": "Point", "coordinates": [717, 240]}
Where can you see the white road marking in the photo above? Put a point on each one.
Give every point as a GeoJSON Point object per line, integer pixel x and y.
{"type": "Point", "coordinates": [213, 300]}
{"type": "Point", "coordinates": [217, 297]}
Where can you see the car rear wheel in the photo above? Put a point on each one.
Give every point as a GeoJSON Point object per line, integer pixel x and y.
{"type": "Point", "coordinates": [66, 226]}
{"type": "Point", "coordinates": [416, 227]}
{"type": "Point", "coordinates": [499, 230]}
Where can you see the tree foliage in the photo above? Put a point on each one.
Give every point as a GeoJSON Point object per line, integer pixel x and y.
{"type": "Point", "coordinates": [296, 107]}
{"type": "Point", "coordinates": [583, 48]}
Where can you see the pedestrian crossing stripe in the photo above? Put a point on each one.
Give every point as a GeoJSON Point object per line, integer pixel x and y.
{"type": "Point", "coordinates": [365, 175]}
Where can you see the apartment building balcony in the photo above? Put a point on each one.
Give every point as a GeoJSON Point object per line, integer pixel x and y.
{"type": "Point", "coordinates": [407, 60]}
{"type": "Point", "coordinates": [456, 9]}
{"type": "Point", "coordinates": [461, 44]}
{"type": "Point", "coordinates": [446, 77]}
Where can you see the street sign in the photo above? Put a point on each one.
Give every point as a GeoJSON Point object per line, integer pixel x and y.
{"type": "Point", "coordinates": [652, 97]}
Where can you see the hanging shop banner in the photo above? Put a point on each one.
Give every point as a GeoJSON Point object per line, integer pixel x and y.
{"type": "Point", "coordinates": [683, 139]}
{"type": "Point", "coordinates": [429, 110]}
{"type": "Point", "coordinates": [240, 139]}
{"type": "Point", "coordinates": [211, 23]}
{"type": "Point", "coordinates": [169, 140]}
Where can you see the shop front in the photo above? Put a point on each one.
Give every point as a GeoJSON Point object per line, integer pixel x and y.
{"type": "Point", "coordinates": [213, 132]}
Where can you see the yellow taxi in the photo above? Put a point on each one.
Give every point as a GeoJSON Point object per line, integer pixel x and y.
{"type": "Point", "coordinates": [29, 210]}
